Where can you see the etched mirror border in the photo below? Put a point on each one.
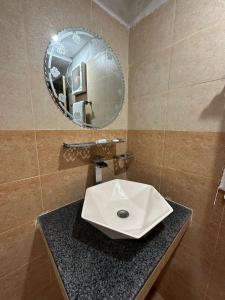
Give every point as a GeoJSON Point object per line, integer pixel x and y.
{"type": "Point", "coordinates": [58, 104]}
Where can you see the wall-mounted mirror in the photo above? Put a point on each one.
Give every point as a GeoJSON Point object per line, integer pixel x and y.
{"type": "Point", "coordinates": [84, 77]}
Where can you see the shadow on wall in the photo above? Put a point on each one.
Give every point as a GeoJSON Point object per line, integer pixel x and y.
{"type": "Point", "coordinates": [216, 109]}
{"type": "Point", "coordinates": [72, 158]}
{"type": "Point", "coordinates": [192, 264]}
{"type": "Point", "coordinates": [38, 281]}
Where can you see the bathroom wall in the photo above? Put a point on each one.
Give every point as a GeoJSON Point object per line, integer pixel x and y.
{"type": "Point", "coordinates": [36, 175]}
{"type": "Point", "coordinates": [176, 132]}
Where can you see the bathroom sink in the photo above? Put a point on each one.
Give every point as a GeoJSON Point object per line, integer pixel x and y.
{"type": "Point", "coordinates": [124, 209]}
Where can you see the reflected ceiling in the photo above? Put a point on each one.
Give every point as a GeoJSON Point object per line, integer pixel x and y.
{"type": "Point", "coordinates": [129, 12]}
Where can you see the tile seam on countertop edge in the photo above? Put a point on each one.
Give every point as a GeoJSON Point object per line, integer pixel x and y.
{"type": "Point", "coordinates": [29, 222]}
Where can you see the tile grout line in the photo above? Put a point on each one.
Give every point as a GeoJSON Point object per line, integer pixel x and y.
{"type": "Point", "coordinates": [218, 133]}
{"type": "Point", "coordinates": [185, 86]}
{"type": "Point", "coordinates": [124, 134]}
{"type": "Point", "coordinates": [19, 180]}
{"type": "Point", "coordinates": [32, 110]}
{"type": "Point", "coordinates": [174, 43]}
{"type": "Point", "coordinates": [166, 100]}
{"type": "Point", "coordinates": [212, 25]}
{"type": "Point", "coordinates": [178, 170]}
{"type": "Point", "coordinates": [17, 227]}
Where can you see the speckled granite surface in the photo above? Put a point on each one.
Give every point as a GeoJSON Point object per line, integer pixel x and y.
{"type": "Point", "coordinates": [92, 266]}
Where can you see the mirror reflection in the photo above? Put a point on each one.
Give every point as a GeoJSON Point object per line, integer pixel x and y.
{"type": "Point", "coordinates": [84, 77]}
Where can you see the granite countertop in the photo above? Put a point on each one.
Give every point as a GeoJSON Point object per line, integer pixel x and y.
{"type": "Point", "coordinates": [92, 266]}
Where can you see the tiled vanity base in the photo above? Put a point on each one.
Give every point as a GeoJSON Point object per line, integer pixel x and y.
{"type": "Point", "coordinates": [92, 266]}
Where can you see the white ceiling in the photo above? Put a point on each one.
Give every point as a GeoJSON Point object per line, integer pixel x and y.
{"type": "Point", "coordinates": [129, 12]}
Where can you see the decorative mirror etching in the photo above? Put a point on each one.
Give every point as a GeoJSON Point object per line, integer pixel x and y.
{"type": "Point", "coordinates": [84, 77]}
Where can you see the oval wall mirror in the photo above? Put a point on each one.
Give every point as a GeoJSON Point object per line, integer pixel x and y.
{"type": "Point", "coordinates": [84, 77]}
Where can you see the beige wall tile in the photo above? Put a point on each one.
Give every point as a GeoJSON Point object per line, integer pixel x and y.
{"type": "Point", "coordinates": [191, 180]}
{"type": "Point", "coordinates": [216, 285]}
{"type": "Point", "coordinates": [42, 19]}
{"type": "Point", "coordinates": [20, 202]}
{"type": "Point", "coordinates": [154, 295]}
{"type": "Point", "coordinates": [113, 32]}
{"type": "Point", "coordinates": [196, 153]}
{"type": "Point", "coordinates": [11, 8]}
{"type": "Point", "coordinates": [198, 236]}
{"type": "Point", "coordinates": [66, 186]}
{"type": "Point", "coordinates": [50, 293]}
{"type": "Point", "coordinates": [139, 172]}
{"type": "Point", "coordinates": [192, 16]}
{"type": "Point", "coordinates": [197, 108]}
{"type": "Point", "coordinates": [13, 56]}
{"type": "Point", "coordinates": [150, 76]}
{"type": "Point", "coordinates": [147, 146]}
{"type": "Point", "coordinates": [171, 286]}
{"type": "Point", "coordinates": [195, 192]}
{"type": "Point", "coordinates": [193, 259]}
{"type": "Point", "coordinates": [26, 283]}
{"type": "Point", "coordinates": [18, 155]}
{"type": "Point", "coordinates": [16, 110]}
{"type": "Point", "coordinates": [199, 58]}
{"type": "Point", "coordinates": [47, 115]}
{"type": "Point", "coordinates": [116, 169]}
{"type": "Point", "coordinates": [147, 112]}
{"type": "Point", "coordinates": [76, 13]}
{"type": "Point", "coordinates": [53, 157]}
{"type": "Point", "coordinates": [69, 185]}
{"type": "Point", "coordinates": [20, 246]}
{"type": "Point", "coordinates": [151, 34]}
{"type": "Point", "coordinates": [192, 270]}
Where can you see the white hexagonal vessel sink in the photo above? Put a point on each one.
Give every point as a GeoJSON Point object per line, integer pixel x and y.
{"type": "Point", "coordinates": [124, 209]}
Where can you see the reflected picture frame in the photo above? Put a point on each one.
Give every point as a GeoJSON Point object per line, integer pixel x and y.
{"type": "Point", "coordinates": [79, 79]}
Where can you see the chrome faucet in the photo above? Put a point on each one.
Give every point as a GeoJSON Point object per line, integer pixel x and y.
{"type": "Point", "coordinates": [100, 163]}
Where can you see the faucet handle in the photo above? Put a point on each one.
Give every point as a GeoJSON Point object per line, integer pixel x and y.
{"type": "Point", "coordinates": [98, 159]}
{"type": "Point", "coordinates": [125, 156]}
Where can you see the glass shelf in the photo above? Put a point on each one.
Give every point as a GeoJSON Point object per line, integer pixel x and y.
{"type": "Point", "coordinates": [94, 144]}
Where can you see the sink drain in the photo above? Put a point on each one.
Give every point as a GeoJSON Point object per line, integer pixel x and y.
{"type": "Point", "coordinates": [122, 213]}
